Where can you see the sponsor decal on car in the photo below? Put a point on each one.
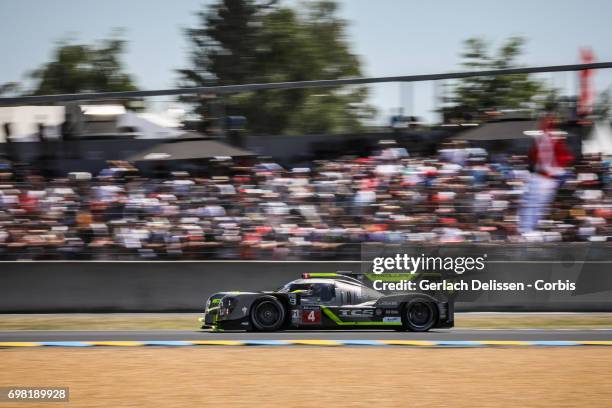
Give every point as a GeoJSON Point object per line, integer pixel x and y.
{"type": "Point", "coordinates": [356, 312]}
{"type": "Point", "coordinates": [388, 303]}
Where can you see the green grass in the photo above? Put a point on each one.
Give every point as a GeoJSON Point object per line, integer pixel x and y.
{"type": "Point", "coordinates": [100, 322]}
{"type": "Point", "coordinates": [188, 321]}
{"type": "Point", "coordinates": [534, 320]}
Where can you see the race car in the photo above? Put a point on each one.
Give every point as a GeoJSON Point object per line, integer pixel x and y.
{"type": "Point", "coordinates": [326, 301]}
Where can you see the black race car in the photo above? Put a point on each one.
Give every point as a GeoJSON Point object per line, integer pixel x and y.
{"type": "Point", "coordinates": [326, 301]}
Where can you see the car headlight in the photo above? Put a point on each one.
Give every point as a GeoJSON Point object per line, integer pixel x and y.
{"type": "Point", "coordinates": [213, 302]}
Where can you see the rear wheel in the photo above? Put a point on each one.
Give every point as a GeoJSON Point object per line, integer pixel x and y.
{"type": "Point", "coordinates": [268, 314]}
{"type": "Point", "coordinates": [419, 315]}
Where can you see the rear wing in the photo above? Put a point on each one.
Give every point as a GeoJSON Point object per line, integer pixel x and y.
{"type": "Point", "coordinates": [350, 276]}
{"type": "Point", "coordinates": [369, 279]}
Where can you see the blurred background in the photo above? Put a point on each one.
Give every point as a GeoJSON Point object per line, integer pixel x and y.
{"type": "Point", "coordinates": [302, 173]}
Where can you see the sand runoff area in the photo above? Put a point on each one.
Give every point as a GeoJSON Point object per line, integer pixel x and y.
{"type": "Point", "coordinates": [315, 377]}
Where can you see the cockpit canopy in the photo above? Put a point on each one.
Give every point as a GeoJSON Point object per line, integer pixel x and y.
{"type": "Point", "coordinates": [331, 291]}
{"type": "Point", "coordinates": [325, 291]}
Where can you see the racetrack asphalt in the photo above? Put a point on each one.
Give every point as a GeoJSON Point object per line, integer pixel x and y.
{"type": "Point", "coordinates": [434, 335]}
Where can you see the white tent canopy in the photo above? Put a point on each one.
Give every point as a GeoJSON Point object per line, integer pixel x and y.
{"type": "Point", "coordinates": [24, 121]}
{"type": "Point", "coordinates": [150, 126]}
{"type": "Point", "coordinates": [600, 140]}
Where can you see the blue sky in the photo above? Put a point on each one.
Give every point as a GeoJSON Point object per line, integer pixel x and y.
{"type": "Point", "coordinates": [392, 37]}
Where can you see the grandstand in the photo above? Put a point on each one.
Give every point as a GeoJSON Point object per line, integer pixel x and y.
{"type": "Point", "coordinates": [235, 205]}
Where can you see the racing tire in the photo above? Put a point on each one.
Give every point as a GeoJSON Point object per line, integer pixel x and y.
{"type": "Point", "coordinates": [268, 314]}
{"type": "Point", "coordinates": [419, 315]}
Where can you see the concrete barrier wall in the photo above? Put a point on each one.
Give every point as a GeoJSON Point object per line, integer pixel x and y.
{"type": "Point", "coordinates": [136, 286]}
{"type": "Point", "coordinates": [183, 286]}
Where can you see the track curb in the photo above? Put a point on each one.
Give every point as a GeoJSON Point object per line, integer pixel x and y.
{"type": "Point", "coordinates": [312, 343]}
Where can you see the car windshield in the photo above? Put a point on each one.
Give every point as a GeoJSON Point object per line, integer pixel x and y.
{"type": "Point", "coordinates": [324, 291]}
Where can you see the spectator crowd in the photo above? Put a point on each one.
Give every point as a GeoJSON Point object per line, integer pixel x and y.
{"type": "Point", "coordinates": [327, 210]}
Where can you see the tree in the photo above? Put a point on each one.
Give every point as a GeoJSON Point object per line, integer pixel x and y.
{"type": "Point", "coordinates": [9, 88]}
{"type": "Point", "coordinates": [472, 96]}
{"type": "Point", "coordinates": [77, 68]}
{"type": "Point", "coordinates": [241, 42]}
{"type": "Point", "coordinates": [222, 52]}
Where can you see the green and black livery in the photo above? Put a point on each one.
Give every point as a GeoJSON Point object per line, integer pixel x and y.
{"type": "Point", "coordinates": [327, 301]}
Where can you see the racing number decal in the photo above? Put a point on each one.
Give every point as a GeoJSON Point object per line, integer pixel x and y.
{"type": "Point", "coordinates": [311, 316]}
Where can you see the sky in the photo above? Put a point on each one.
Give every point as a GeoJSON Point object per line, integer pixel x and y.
{"type": "Point", "coordinates": [392, 37]}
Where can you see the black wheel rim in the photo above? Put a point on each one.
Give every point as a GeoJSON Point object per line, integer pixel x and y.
{"type": "Point", "coordinates": [267, 314]}
{"type": "Point", "coordinates": [420, 314]}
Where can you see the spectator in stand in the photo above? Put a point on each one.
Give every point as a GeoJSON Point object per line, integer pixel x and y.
{"type": "Point", "coordinates": [548, 158]}
{"type": "Point", "coordinates": [324, 211]}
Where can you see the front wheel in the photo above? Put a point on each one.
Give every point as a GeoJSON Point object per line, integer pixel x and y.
{"type": "Point", "coordinates": [268, 314]}
{"type": "Point", "coordinates": [419, 315]}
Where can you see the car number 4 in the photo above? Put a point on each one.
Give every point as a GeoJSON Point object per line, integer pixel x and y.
{"type": "Point", "coordinates": [311, 316]}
